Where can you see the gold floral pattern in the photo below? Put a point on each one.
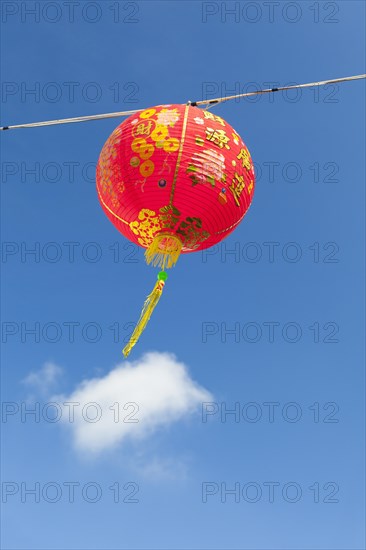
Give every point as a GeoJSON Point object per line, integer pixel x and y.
{"type": "Point", "coordinates": [110, 171]}
{"type": "Point", "coordinates": [168, 117]}
{"type": "Point", "coordinates": [149, 224]}
{"type": "Point", "coordinates": [207, 166]}
{"type": "Point", "coordinates": [146, 226]}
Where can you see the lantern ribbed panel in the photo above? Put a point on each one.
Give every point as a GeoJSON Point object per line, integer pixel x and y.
{"type": "Point", "coordinates": [175, 169]}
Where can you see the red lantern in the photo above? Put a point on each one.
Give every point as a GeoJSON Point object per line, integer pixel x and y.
{"type": "Point", "coordinates": [174, 179]}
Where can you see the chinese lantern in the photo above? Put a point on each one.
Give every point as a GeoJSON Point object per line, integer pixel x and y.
{"type": "Point", "coordinates": [173, 179]}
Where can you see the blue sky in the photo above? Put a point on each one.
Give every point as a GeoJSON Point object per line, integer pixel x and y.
{"type": "Point", "coordinates": [140, 54]}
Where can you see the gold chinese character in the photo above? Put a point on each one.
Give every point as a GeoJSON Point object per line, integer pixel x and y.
{"type": "Point", "coordinates": [218, 137]}
{"type": "Point", "coordinates": [143, 129]}
{"type": "Point", "coordinates": [215, 118]}
{"type": "Point", "coordinates": [191, 232]}
{"type": "Point", "coordinates": [245, 158]}
{"type": "Point", "coordinates": [169, 216]}
{"type": "Point", "coordinates": [236, 187]}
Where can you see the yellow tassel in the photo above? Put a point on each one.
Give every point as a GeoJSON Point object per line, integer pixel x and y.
{"type": "Point", "coordinates": [149, 306]}
{"type": "Point", "coordinates": [164, 251]}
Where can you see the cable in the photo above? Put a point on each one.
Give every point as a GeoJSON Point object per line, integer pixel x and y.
{"type": "Point", "coordinates": [269, 90]}
{"type": "Point", "coordinates": [70, 120]}
{"type": "Point", "coordinates": [192, 103]}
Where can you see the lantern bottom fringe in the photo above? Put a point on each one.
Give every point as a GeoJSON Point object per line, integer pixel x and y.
{"type": "Point", "coordinates": [164, 251]}
{"type": "Point", "coordinates": [149, 306]}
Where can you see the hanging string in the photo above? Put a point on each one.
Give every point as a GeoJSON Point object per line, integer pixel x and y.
{"type": "Point", "coordinates": [206, 103]}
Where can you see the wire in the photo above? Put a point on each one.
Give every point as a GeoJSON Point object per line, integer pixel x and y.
{"type": "Point", "coordinates": [70, 120]}
{"type": "Point", "coordinates": [207, 103]}
{"type": "Point", "coordinates": [269, 90]}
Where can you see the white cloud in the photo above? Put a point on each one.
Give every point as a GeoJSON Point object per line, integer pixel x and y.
{"type": "Point", "coordinates": [45, 379]}
{"type": "Point", "coordinates": [161, 468]}
{"type": "Point", "coordinates": [131, 402]}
